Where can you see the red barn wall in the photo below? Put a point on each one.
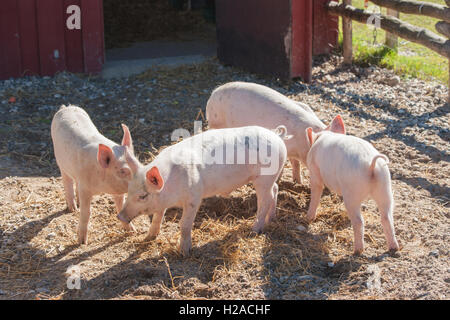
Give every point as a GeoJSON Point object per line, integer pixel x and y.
{"type": "Point", "coordinates": [325, 29]}
{"type": "Point", "coordinates": [34, 39]}
{"type": "Point", "coordinates": [267, 36]}
{"type": "Point", "coordinates": [302, 39]}
{"type": "Point", "coordinates": [271, 37]}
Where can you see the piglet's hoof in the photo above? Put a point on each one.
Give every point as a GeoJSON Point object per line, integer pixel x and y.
{"type": "Point", "coordinates": [358, 252]}
{"type": "Point", "coordinates": [82, 237]}
{"type": "Point", "coordinates": [149, 237]}
{"type": "Point", "coordinates": [394, 253]}
{"type": "Point", "coordinates": [185, 249]}
{"type": "Point", "coordinates": [310, 218]}
{"type": "Point", "coordinates": [72, 207]}
{"type": "Point", "coordinates": [298, 180]}
{"type": "Point", "coordinates": [258, 228]}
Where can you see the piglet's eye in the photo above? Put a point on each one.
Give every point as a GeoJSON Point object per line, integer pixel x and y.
{"type": "Point", "coordinates": [143, 197]}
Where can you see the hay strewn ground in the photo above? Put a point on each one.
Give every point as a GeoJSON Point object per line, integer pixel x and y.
{"type": "Point", "coordinates": [290, 260]}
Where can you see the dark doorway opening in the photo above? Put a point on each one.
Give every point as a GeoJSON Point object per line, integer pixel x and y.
{"type": "Point", "coordinates": [147, 29]}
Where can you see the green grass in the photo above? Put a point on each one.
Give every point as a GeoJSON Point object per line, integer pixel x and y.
{"type": "Point", "coordinates": [409, 59]}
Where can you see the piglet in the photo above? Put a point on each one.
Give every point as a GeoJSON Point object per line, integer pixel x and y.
{"type": "Point", "coordinates": [353, 168]}
{"type": "Point", "coordinates": [238, 104]}
{"type": "Point", "coordinates": [186, 172]}
{"type": "Point", "coordinates": [91, 161]}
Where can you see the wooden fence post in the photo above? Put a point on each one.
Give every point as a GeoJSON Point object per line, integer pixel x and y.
{"type": "Point", "coordinates": [391, 39]}
{"type": "Point", "coordinates": [347, 35]}
{"type": "Point", "coordinates": [444, 28]}
{"type": "Point", "coordinates": [447, 2]}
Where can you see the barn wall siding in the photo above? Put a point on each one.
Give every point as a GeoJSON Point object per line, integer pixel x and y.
{"type": "Point", "coordinates": [280, 41]}
{"type": "Point", "coordinates": [302, 30]}
{"type": "Point", "coordinates": [29, 44]}
{"type": "Point", "coordinates": [275, 38]}
{"type": "Point", "coordinates": [52, 50]}
{"type": "Point", "coordinates": [92, 31]}
{"type": "Point", "coordinates": [10, 59]}
{"type": "Point", "coordinates": [34, 38]}
{"type": "Point", "coordinates": [74, 44]}
{"type": "Point", "coordinates": [326, 29]}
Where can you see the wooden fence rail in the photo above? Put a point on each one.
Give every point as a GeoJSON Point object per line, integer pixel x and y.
{"type": "Point", "coordinates": [443, 28]}
{"type": "Point", "coordinates": [416, 7]}
{"type": "Point", "coordinates": [395, 26]}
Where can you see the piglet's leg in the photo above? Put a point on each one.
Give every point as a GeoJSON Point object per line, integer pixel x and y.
{"type": "Point", "coordinates": [387, 222]}
{"type": "Point", "coordinates": [385, 204]}
{"type": "Point", "coordinates": [266, 200]}
{"type": "Point", "coordinates": [77, 194]}
{"type": "Point", "coordinates": [316, 193]}
{"type": "Point", "coordinates": [118, 200]}
{"type": "Point", "coordinates": [156, 225]}
{"type": "Point", "coordinates": [85, 213]}
{"type": "Point", "coordinates": [354, 213]}
{"type": "Point", "coordinates": [69, 192]}
{"type": "Point", "coordinates": [296, 174]}
{"type": "Point", "coordinates": [273, 209]}
{"type": "Point", "coordinates": [187, 220]}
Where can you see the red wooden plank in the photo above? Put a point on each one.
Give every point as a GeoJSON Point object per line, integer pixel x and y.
{"type": "Point", "coordinates": [51, 25]}
{"type": "Point", "coordinates": [10, 62]}
{"type": "Point", "coordinates": [28, 37]}
{"type": "Point", "coordinates": [325, 33]}
{"type": "Point", "coordinates": [74, 41]}
{"type": "Point", "coordinates": [92, 30]}
{"type": "Point", "coordinates": [102, 19]}
{"type": "Point", "coordinates": [301, 54]}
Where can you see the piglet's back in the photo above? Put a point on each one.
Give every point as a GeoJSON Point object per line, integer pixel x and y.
{"type": "Point", "coordinates": [254, 104]}
{"type": "Point", "coordinates": [75, 141]}
{"type": "Point", "coordinates": [343, 161]}
{"type": "Point", "coordinates": [72, 125]}
{"type": "Point", "coordinates": [345, 151]}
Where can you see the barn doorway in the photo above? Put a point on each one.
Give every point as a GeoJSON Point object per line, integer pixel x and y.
{"type": "Point", "coordinates": [152, 29]}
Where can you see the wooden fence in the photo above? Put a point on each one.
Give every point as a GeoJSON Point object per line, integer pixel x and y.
{"type": "Point", "coordinates": [396, 27]}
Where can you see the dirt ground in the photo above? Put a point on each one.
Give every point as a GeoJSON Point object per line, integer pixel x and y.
{"type": "Point", "coordinates": [408, 122]}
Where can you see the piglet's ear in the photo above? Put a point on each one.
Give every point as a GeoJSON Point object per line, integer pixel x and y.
{"type": "Point", "coordinates": [126, 140]}
{"type": "Point", "coordinates": [337, 125]}
{"type": "Point", "coordinates": [133, 163]}
{"type": "Point", "coordinates": [104, 156]}
{"type": "Point", "coordinates": [154, 178]}
{"type": "Point", "coordinates": [310, 136]}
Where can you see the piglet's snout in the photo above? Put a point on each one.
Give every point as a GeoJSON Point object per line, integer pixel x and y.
{"type": "Point", "coordinates": [123, 217]}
